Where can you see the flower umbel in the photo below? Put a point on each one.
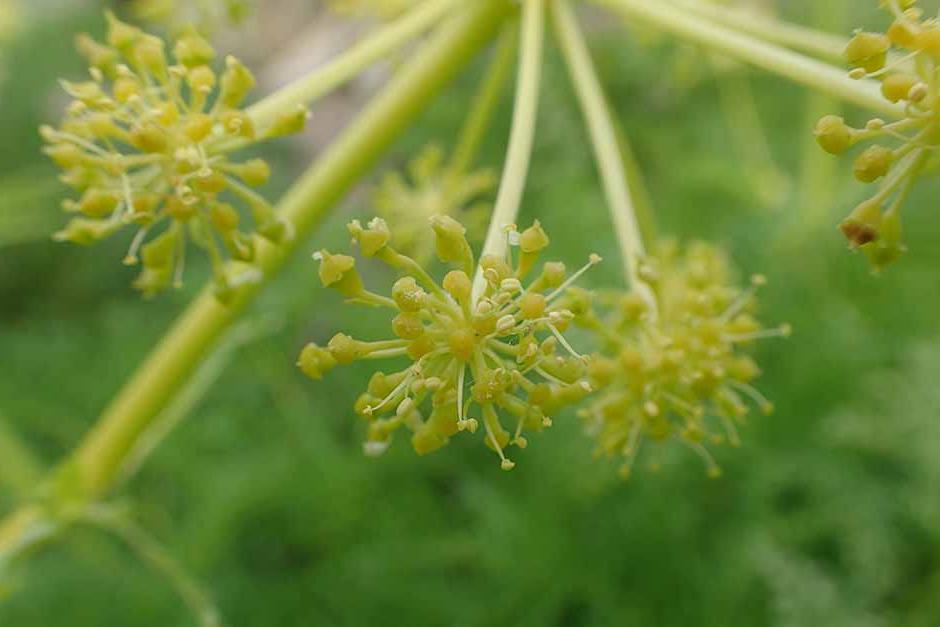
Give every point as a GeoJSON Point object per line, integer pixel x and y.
{"type": "Point", "coordinates": [911, 78]}
{"type": "Point", "coordinates": [679, 375]}
{"type": "Point", "coordinates": [432, 188]}
{"type": "Point", "coordinates": [147, 143]}
{"type": "Point", "coordinates": [501, 360]}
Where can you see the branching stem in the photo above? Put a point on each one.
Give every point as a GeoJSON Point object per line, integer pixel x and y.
{"type": "Point", "coordinates": [521, 137]}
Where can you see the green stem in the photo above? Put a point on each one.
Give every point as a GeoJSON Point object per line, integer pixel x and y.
{"type": "Point", "coordinates": [607, 153]}
{"type": "Point", "coordinates": [101, 454]}
{"type": "Point", "coordinates": [809, 40]}
{"type": "Point", "coordinates": [521, 137]}
{"type": "Point", "coordinates": [335, 73]}
{"type": "Point", "coordinates": [484, 104]}
{"type": "Point", "coordinates": [770, 57]}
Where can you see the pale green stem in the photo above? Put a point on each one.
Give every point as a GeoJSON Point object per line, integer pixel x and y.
{"type": "Point", "coordinates": [770, 57]}
{"type": "Point", "coordinates": [521, 137]}
{"type": "Point", "coordinates": [101, 454]}
{"type": "Point", "coordinates": [376, 47]}
{"type": "Point", "coordinates": [484, 104]}
{"type": "Point", "coordinates": [809, 40]}
{"type": "Point", "coordinates": [602, 130]}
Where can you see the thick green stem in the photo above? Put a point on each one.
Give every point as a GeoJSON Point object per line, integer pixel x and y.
{"type": "Point", "coordinates": [334, 74]}
{"type": "Point", "coordinates": [99, 457]}
{"type": "Point", "coordinates": [772, 58]}
{"type": "Point", "coordinates": [601, 128]}
{"type": "Point", "coordinates": [484, 104]}
{"type": "Point", "coordinates": [809, 40]}
{"type": "Point", "coordinates": [522, 135]}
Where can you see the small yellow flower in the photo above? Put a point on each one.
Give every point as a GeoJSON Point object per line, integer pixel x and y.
{"type": "Point", "coordinates": [679, 374]}
{"type": "Point", "coordinates": [500, 361]}
{"type": "Point", "coordinates": [904, 147]}
{"type": "Point", "coordinates": [147, 143]}
{"type": "Point", "coordinates": [428, 189]}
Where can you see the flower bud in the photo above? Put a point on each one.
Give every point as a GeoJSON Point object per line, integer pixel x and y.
{"type": "Point", "coordinates": [408, 326]}
{"type": "Point", "coordinates": [315, 361]}
{"type": "Point", "coordinates": [928, 42]}
{"type": "Point", "coordinates": [889, 246]}
{"type": "Point", "coordinates": [458, 285]}
{"type": "Point", "coordinates": [873, 163]}
{"type": "Point", "coordinates": [373, 238]}
{"type": "Point", "coordinates": [833, 134]}
{"type": "Point", "coordinates": [345, 349]}
{"type": "Point", "coordinates": [193, 50]}
{"type": "Point", "coordinates": [532, 305]}
{"type": "Point", "coordinates": [407, 295]}
{"type": "Point", "coordinates": [339, 272]}
{"type": "Point", "coordinates": [237, 81]}
{"type": "Point", "coordinates": [896, 87]}
{"type": "Point", "coordinates": [903, 34]}
{"type": "Point", "coordinates": [531, 242]}
{"type": "Point", "coordinates": [450, 240]}
{"type": "Point", "coordinates": [868, 51]}
{"type": "Point", "coordinates": [863, 224]}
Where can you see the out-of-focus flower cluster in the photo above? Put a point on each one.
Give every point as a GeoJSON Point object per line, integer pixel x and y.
{"type": "Point", "coordinates": [207, 15]}
{"type": "Point", "coordinates": [906, 60]}
{"type": "Point", "coordinates": [147, 144]}
{"type": "Point", "coordinates": [677, 372]}
{"type": "Point", "coordinates": [497, 358]}
{"type": "Point", "coordinates": [429, 188]}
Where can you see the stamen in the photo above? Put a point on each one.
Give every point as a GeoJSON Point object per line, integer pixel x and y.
{"type": "Point", "coordinates": [593, 260]}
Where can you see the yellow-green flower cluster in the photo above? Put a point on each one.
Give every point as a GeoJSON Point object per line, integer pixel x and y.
{"type": "Point", "coordinates": [430, 188]}
{"type": "Point", "coordinates": [903, 147]}
{"type": "Point", "coordinates": [677, 373]}
{"type": "Point", "coordinates": [147, 143]}
{"type": "Point", "coordinates": [496, 357]}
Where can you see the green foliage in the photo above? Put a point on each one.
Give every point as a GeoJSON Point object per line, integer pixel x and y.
{"type": "Point", "coordinates": [827, 517]}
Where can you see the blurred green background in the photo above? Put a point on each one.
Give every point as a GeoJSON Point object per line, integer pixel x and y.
{"type": "Point", "coordinates": [829, 515]}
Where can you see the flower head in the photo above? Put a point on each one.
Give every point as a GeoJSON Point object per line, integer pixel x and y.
{"type": "Point", "coordinates": [679, 374]}
{"type": "Point", "coordinates": [430, 188]}
{"type": "Point", "coordinates": [499, 361]}
{"type": "Point", "coordinates": [147, 143]}
{"type": "Point", "coordinates": [904, 146]}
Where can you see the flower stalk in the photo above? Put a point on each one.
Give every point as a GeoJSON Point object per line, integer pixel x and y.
{"type": "Point", "coordinates": [336, 73]}
{"type": "Point", "coordinates": [99, 458]}
{"type": "Point", "coordinates": [799, 68]}
{"type": "Point", "coordinates": [522, 135]}
{"type": "Point", "coordinates": [600, 124]}
{"type": "Point", "coordinates": [807, 40]}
